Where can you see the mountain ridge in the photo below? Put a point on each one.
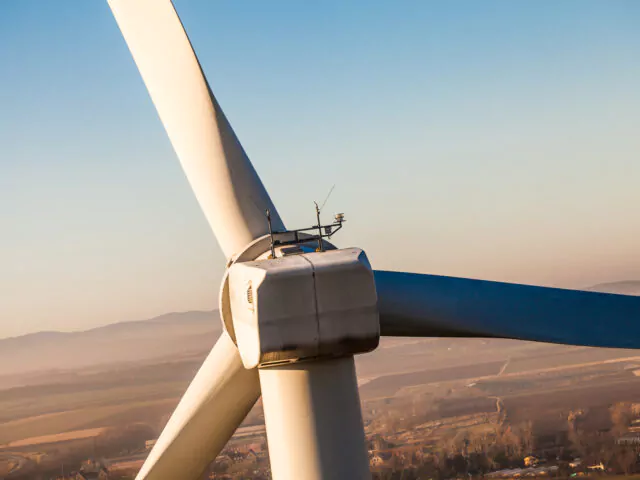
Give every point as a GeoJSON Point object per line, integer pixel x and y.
{"type": "Point", "coordinates": [171, 335]}
{"type": "Point", "coordinates": [624, 287]}
{"type": "Point", "coordinates": [157, 319]}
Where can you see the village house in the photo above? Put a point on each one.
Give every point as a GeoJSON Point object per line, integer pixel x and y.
{"type": "Point", "coordinates": [148, 445]}
{"type": "Point", "coordinates": [380, 459]}
{"type": "Point", "coordinates": [629, 439]}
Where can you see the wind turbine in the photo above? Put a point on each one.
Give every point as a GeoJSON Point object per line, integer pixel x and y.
{"type": "Point", "coordinates": [296, 309]}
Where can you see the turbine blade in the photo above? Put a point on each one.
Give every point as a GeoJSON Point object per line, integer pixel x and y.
{"type": "Point", "coordinates": [219, 171]}
{"type": "Point", "coordinates": [216, 402]}
{"type": "Point", "coordinates": [435, 306]}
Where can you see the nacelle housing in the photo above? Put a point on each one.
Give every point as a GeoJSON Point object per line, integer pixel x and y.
{"type": "Point", "coordinates": [302, 306]}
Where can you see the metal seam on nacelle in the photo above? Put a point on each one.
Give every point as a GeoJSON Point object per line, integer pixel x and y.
{"type": "Point", "coordinates": [315, 298]}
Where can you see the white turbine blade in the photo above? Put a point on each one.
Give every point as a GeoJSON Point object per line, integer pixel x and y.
{"type": "Point", "coordinates": [433, 306]}
{"type": "Point", "coordinates": [221, 175]}
{"type": "Point", "coordinates": [216, 402]}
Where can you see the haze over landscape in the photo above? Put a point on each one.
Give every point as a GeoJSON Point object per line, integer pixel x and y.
{"type": "Point", "coordinates": [104, 392]}
{"type": "Point", "coordinates": [171, 335]}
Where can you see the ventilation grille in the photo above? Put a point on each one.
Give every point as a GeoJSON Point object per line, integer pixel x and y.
{"type": "Point", "coordinates": [250, 296]}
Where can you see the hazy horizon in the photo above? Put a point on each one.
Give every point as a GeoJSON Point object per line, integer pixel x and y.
{"type": "Point", "coordinates": [618, 287]}
{"type": "Point", "coordinates": [499, 140]}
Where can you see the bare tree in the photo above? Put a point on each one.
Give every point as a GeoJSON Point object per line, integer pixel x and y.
{"type": "Point", "coordinates": [627, 458]}
{"type": "Point", "coordinates": [621, 415]}
{"type": "Point", "coordinates": [526, 436]}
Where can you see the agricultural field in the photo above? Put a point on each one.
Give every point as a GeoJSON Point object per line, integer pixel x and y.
{"type": "Point", "coordinates": [389, 385]}
{"type": "Point", "coordinates": [418, 391]}
{"type": "Point", "coordinates": [578, 356]}
{"type": "Point", "coordinates": [148, 392]}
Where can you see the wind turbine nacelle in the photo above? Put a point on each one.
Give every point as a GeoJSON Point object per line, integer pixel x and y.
{"type": "Point", "coordinates": [302, 306]}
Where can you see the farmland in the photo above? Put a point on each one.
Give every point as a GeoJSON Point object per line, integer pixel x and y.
{"type": "Point", "coordinates": [147, 393]}
{"type": "Point", "coordinates": [414, 391]}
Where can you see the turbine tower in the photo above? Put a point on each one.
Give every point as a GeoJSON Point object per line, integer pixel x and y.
{"type": "Point", "coordinates": [296, 309]}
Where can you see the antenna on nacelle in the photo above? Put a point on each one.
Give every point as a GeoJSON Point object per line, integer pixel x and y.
{"type": "Point", "coordinates": [327, 229]}
{"type": "Point", "coordinates": [319, 228]}
{"type": "Point", "coordinates": [327, 197]}
{"type": "Point", "coordinates": [273, 250]}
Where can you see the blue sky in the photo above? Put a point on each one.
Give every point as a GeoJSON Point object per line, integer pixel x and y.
{"type": "Point", "coordinates": [493, 140]}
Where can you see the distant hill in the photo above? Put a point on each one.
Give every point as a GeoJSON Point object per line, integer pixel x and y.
{"type": "Point", "coordinates": [173, 334]}
{"type": "Point", "coordinates": [178, 335]}
{"type": "Point", "coordinates": [627, 287]}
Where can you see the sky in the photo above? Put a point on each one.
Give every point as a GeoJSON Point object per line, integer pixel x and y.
{"type": "Point", "coordinates": [494, 140]}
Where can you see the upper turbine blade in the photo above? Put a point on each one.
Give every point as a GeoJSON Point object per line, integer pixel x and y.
{"type": "Point", "coordinates": [216, 402]}
{"type": "Point", "coordinates": [221, 175]}
{"type": "Point", "coordinates": [435, 306]}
